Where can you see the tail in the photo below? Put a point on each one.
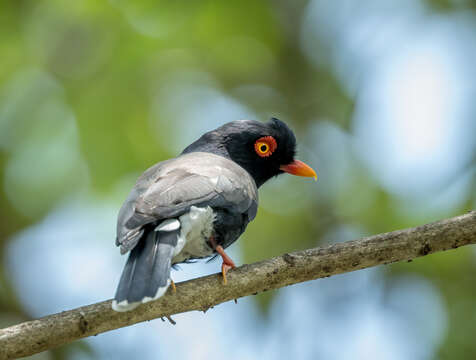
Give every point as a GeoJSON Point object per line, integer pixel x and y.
{"type": "Point", "coordinates": [146, 276]}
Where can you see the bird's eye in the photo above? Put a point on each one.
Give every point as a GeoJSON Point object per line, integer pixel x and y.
{"type": "Point", "coordinates": [265, 146]}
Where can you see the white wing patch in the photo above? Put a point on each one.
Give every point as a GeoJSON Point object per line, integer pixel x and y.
{"type": "Point", "coordinates": [168, 225]}
{"type": "Point", "coordinates": [196, 229]}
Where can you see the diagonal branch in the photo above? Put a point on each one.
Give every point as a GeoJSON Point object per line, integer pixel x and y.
{"type": "Point", "coordinates": [200, 294]}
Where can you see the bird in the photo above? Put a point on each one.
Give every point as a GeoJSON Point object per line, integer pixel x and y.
{"type": "Point", "coordinates": [196, 205]}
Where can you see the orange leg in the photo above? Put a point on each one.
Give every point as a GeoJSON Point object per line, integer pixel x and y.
{"type": "Point", "coordinates": [227, 262]}
{"type": "Point", "coordinates": [174, 289]}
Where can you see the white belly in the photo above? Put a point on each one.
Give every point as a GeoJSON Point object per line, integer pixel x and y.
{"type": "Point", "coordinates": [196, 229]}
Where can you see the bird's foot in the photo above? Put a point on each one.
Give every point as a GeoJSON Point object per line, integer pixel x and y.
{"type": "Point", "coordinates": [227, 262]}
{"type": "Point", "coordinates": [172, 284]}
{"type": "Point", "coordinates": [169, 318]}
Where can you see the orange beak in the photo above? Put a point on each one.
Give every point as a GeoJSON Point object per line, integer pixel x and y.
{"type": "Point", "coordinates": [299, 168]}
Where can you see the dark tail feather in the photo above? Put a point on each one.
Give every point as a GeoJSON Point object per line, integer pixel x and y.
{"type": "Point", "coordinates": [146, 275]}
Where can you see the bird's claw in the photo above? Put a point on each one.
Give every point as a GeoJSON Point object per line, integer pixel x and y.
{"type": "Point", "coordinates": [227, 262]}
{"type": "Point", "coordinates": [224, 269]}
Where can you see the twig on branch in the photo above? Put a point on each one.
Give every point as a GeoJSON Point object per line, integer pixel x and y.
{"type": "Point", "coordinates": [200, 294]}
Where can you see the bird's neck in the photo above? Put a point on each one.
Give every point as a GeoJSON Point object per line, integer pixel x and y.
{"type": "Point", "coordinates": [213, 144]}
{"type": "Point", "coordinates": [210, 145]}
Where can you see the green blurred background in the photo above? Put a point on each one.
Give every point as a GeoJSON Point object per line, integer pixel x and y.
{"type": "Point", "coordinates": [380, 95]}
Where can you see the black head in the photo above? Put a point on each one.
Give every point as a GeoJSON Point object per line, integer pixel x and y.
{"type": "Point", "coordinates": [263, 149]}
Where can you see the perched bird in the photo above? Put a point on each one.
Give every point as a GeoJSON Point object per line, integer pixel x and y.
{"type": "Point", "coordinates": [197, 204]}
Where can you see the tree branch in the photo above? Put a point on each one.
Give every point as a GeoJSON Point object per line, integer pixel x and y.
{"type": "Point", "coordinates": [200, 294]}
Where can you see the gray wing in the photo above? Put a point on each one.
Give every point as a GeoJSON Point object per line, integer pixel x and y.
{"type": "Point", "coordinates": [170, 188]}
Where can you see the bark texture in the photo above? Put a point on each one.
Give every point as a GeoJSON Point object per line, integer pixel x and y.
{"type": "Point", "coordinates": [200, 294]}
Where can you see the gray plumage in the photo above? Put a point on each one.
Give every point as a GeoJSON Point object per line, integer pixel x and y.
{"type": "Point", "coordinates": [169, 190]}
{"type": "Point", "coordinates": [198, 204]}
{"type": "Point", "coordinates": [147, 268]}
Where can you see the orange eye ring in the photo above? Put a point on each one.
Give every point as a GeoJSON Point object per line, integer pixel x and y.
{"type": "Point", "coordinates": [265, 146]}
